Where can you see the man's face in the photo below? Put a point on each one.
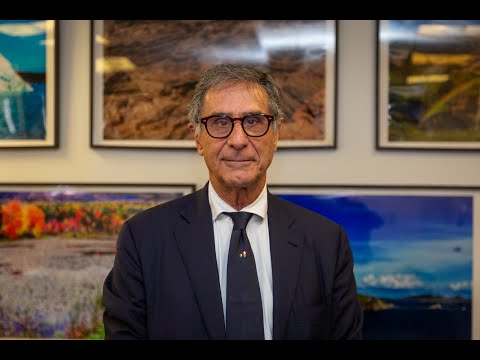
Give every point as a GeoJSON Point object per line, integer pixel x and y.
{"type": "Point", "coordinates": [239, 160]}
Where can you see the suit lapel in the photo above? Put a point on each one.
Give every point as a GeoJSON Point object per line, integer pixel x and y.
{"type": "Point", "coordinates": [195, 238]}
{"type": "Point", "coordinates": [285, 249]}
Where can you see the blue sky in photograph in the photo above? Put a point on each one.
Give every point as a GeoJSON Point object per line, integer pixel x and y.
{"type": "Point", "coordinates": [432, 31]}
{"type": "Point", "coordinates": [404, 245]}
{"type": "Point", "coordinates": [22, 43]}
{"type": "Point", "coordinates": [416, 23]}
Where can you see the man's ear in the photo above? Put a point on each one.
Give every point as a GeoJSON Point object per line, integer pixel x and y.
{"type": "Point", "coordinates": [280, 123]}
{"type": "Point", "coordinates": [197, 139]}
{"type": "Point", "coordinates": [279, 126]}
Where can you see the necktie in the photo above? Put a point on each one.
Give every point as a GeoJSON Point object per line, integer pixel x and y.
{"type": "Point", "coordinates": [244, 302]}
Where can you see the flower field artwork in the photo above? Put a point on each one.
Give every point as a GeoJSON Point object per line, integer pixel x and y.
{"type": "Point", "coordinates": [57, 244]}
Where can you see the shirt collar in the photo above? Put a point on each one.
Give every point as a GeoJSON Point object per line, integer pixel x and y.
{"type": "Point", "coordinates": [218, 205]}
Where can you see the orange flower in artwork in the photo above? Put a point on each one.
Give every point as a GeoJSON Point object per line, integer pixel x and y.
{"type": "Point", "coordinates": [97, 213]}
{"type": "Point", "coordinates": [33, 220]}
{"type": "Point", "coordinates": [12, 219]}
{"type": "Point", "coordinates": [79, 215]}
{"type": "Point", "coordinates": [116, 222]}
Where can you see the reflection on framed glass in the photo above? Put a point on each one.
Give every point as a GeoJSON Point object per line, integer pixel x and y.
{"type": "Point", "coordinates": [144, 72]}
{"type": "Point", "coordinates": [57, 244]}
{"type": "Point", "coordinates": [413, 254]}
{"type": "Point", "coordinates": [28, 83]}
{"type": "Point", "coordinates": [428, 86]}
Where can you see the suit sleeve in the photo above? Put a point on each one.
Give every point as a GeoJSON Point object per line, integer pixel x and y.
{"type": "Point", "coordinates": [123, 292]}
{"type": "Point", "coordinates": [347, 313]}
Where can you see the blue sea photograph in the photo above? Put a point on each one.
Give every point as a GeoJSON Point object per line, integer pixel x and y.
{"type": "Point", "coordinates": [413, 260]}
{"type": "Point", "coordinates": [23, 64]}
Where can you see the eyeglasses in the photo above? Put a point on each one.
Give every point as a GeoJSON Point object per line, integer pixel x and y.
{"type": "Point", "coordinates": [221, 126]}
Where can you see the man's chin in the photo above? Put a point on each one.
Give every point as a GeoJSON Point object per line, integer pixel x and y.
{"type": "Point", "coordinates": [239, 165]}
{"type": "Point", "coordinates": [240, 181]}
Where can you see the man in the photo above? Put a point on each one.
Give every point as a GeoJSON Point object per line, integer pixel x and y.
{"type": "Point", "coordinates": [169, 279]}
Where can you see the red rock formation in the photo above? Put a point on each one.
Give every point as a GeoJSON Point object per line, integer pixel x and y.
{"type": "Point", "coordinates": [150, 101]}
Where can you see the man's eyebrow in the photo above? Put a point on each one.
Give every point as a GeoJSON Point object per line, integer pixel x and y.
{"type": "Point", "coordinates": [218, 113]}
{"type": "Point", "coordinates": [245, 113]}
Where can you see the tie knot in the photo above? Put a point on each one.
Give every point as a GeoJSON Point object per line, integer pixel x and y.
{"type": "Point", "coordinates": [240, 219]}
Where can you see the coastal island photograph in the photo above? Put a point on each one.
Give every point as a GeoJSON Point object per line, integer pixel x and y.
{"type": "Point", "coordinates": [413, 258]}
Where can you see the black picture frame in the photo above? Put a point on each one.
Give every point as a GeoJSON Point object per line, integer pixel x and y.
{"type": "Point", "coordinates": [144, 71]}
{"type": "Point", "coordinates": [427, 85]}
{"type": "Point", "coordinates": [29, 94]}
{"type": "Point", "coordinates": [415, 249]}
{"type": "Point", "coordinates": [57, 244]}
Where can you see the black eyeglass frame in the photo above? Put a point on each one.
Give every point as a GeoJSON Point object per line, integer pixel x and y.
{"type": "Point", "coordinates": [204, 120]}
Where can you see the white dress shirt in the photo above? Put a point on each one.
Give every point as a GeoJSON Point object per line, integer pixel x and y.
{"type": "Point", "coordinates": [257, 231]}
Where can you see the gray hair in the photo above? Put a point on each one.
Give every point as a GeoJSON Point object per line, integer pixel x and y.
{"type": "Point", "coordinates": [224, 75]}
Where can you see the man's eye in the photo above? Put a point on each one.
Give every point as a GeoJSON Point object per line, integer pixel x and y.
{"type": "Point", "coordinates": [251, 120]}
{"type": "Point", "coordinates": [222, 122]}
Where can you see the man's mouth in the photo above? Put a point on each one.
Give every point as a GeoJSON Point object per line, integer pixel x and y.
{"type": "Point", "coordinates": [239, 162]}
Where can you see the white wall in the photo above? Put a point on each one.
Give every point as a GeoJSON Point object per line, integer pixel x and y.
{"type": "Point", "coordinates": [355, 161]}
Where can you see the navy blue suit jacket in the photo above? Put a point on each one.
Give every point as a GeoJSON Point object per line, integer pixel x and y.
{"type": "Point", "coordinates": [164, 283]}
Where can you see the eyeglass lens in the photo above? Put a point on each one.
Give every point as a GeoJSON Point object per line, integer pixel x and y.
{"type": "Point", "coordinates": [222, 126]}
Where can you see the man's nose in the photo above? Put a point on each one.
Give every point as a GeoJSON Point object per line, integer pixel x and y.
{"type": "Point", "coordinates": [238, 136]}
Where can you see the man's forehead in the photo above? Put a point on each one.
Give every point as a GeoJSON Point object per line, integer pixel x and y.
{"type": "Point", "coordinates": [225, 90]}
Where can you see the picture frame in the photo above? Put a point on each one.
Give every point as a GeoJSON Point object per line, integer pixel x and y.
{"type": "Point", "coordinates": [415, 251]}
{"type": "Point", "coordinates": [144, 72]}
{"type": "Point", "coordinates": [57, 244]}
{"type": "Point", "coordinates": [427, 85]}
{"type": "Point", "coordinates": [29, 68]}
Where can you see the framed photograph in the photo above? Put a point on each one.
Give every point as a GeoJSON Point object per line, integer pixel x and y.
{"type": "Point", "coordinates": [57, 245]}
{"type": "Point", "coordinates": [413, 250]}
{"type": "Point", "coordinates": [428, 88]}
{"type": "Point", "coordinates": [29, 83]}
{"type": "Point", "coordinates": [144, 73]}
